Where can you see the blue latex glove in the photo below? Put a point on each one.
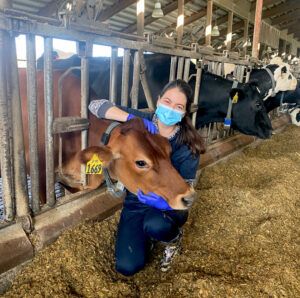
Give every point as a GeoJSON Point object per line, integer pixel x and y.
{"type": "Point", "coordinates": [148, 124]}
{"type": "Point", "coordinates": [153, 200]}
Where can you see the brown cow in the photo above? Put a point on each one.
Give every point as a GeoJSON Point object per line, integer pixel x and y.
{"type": "Point", "coordinates": [135, 157]}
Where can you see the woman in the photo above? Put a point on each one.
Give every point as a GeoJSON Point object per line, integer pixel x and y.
{"type": "Point", "coordinates": [148, 217]}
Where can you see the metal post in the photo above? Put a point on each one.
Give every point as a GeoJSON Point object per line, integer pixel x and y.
{"type": "Point", "coordinates": [113, 75]}
{"type": "Point", "coordinates": [245, 45]}
{"type": "Point", "coordinates": [208, 28]}
{"type": "Point", "coordinates": [135, 81]}
{"type": "Point", "coordinates": [180, 21]}
{"type": "Point", "coordinates": [84, 101]}
{"type": "Point", "coordinates": [196, 92]}
{"type": "Point", "coordinates": [19, 163]}
{"type": "Point", "coordinates": [180, 67]}
{"type": "Point", "coordinates": [5, 155]}
{"type": "Point", "coordinates": [229, 31]}
{"type": "Point", "coordinates": [145, 85]}
{"type": "Point", "coordinates": [187, 69]}
{"type": "Point", "coordinates": [257, 25]}
{"type": "Point", "coordinates": [125, 78]}
{"type": "Point", "coordinates": [32, 121]}
{"type": "Point", "coordinates": [49, 140]}
{"type": "Point", "coordinates": [173, 68]}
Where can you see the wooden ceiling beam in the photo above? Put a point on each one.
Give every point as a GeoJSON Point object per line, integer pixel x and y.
{"type": "Point", "coordinates": [286, 17]}
{"type": "Point", "coordinates": [50, 8]}
{"type": "Point", "coordinates": [114, 9]}
{"type": "Point", "coordinates": [188, 20]}
{"type": "Point", "coordinates": [281, 8]}
{"type": "Point", "coordinates": [149, 19]}
{"type": "Point", "coordinates": [291, 24]}
{"type": "Point", "coordinates": [266, 3]}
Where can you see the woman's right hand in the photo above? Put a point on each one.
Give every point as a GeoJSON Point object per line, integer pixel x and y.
{"type": "Point", "coordinates": [150, 126]}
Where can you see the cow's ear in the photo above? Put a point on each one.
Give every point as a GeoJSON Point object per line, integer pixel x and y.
{"type": "Point", "coordinates": [283, 69]}
{"type": "Point", "coordinates": [102, 153]}
{"type": "Point", "coordinates": [237, 94]}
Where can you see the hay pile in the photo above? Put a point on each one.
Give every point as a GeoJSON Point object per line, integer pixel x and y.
{"type": "Point", "coordinates": [241, 240]}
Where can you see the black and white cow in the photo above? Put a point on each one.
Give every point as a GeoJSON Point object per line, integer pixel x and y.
{"type": "Point", "coordinates": [248, 114]}
{"type": "Point", "coordinates": [273, 78]}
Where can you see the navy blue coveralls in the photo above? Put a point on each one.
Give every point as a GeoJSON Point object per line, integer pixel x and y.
{"type": "Point", "coordinates": [140, 223]}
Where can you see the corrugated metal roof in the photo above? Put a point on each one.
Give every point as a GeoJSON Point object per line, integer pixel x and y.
{"type": "Point", "coordinates": [127, 16]}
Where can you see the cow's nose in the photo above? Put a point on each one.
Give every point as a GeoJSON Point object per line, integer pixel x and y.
{"type": "Point", "coordinates": [188, 200]}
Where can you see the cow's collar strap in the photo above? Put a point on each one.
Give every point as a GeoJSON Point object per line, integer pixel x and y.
{"type": "Point", "coordinates": [227, 121]}
{"type": "Point", "coordinates": [273, 83]}
{"type": "Point", "coordinates": [116, 190]}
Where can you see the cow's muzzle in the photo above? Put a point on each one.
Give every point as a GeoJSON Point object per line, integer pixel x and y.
{"type": "Point", "coordinates": [188, 199]}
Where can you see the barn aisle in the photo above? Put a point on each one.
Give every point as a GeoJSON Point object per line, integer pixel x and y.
{"type": "Point", "coordinates": [241, 239]}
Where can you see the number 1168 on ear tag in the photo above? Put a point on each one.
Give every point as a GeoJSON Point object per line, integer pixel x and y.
{"type": "Point", "coordinates": [94, 166]}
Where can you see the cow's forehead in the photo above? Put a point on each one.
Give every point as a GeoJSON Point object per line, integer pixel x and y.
{"type": "Point", "coordinates": [153, 146]}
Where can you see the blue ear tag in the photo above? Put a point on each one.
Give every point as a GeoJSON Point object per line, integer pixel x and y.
{"type": "Point", "coordinates": [227, 122]}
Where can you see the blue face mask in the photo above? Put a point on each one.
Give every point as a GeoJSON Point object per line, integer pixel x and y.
{"type": "Point", "coordinates": [168, 116]}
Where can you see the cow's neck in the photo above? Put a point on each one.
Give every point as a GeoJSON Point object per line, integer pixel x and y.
{"type": "Point", "coordinates": [213, 99]}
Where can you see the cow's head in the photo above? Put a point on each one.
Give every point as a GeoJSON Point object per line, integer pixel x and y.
{"type": "Point", "coordinates": [249, 116]}
{"type": "Point", "coordinates": [284, 79]}
{"type": "Point", "coordinates": [137, 159]}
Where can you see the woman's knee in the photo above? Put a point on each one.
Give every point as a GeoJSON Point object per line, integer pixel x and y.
{"type": "Point", "coordinates": [129, 267]}
{"type": "Point", "coordinates": [160, 227]}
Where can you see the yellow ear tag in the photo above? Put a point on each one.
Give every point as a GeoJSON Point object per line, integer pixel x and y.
{"type": "Point", "coordinates": [235, 98]}
{"type": "Point", "coordinates": [94, 166]}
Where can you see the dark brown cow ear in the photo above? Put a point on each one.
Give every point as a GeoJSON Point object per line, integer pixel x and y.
{"type": "Point", "coordinates": [103, 153]}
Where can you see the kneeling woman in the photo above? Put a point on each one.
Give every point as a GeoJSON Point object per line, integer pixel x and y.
{"type": "Point", "coordinates": [148, 217]}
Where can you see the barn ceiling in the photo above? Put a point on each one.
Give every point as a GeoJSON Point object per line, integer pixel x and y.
{"type": "Point", "coordinates": [120, 15]}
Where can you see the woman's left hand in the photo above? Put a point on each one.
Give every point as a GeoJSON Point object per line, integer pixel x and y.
{"type": "Point", "coordinates": [153, 200]}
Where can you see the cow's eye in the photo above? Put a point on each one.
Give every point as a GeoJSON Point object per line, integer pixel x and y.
{"type": "Point", "coordinates": [258, 105]}
{"type": "Point", "coordinates": [141, 164]}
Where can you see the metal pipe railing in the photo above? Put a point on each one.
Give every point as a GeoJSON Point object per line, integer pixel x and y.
{"type": "Point", "coordinates": [5, 154]}
{"type": "Point", "coordinates": [49, 139]}
{"type": "Point", "coordinates": [32, 121]}
{"type": "Point", "coordinates": [19, 164]}
{"type": "Point", "coordinates": [136, 80]}
{"type": "Point", "coordinates": [113, 75]}
{"type": "Point", "coordinates": [125, 77]}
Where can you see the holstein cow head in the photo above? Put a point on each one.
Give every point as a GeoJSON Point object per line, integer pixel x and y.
{"type": "Point", "coordinates": [279, 79]}
{"type": "Point", "coordinates": [137, 159]}
{"type": "Point", "coordinates": [249, 115]}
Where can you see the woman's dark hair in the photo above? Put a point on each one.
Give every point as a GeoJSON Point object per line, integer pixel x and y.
{"type": "Point", "coordinates": [188, 134]}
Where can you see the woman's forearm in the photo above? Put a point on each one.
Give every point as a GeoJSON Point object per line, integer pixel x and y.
{"type": "Point", "coordinates": [114, 113]}
{"type": "Point", "coordinates": [102, 108]}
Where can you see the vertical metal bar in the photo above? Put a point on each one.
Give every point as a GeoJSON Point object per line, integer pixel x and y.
{"type": "Point", "coordinates": [5, 155]}
{"type": "Point", "coordinates": [257, 25]}
{"type": "Point", "coordinates": [136, 80]}
{"type": "Point", "coordinates": [173, 68]}
{"type": "Point", "coordinates": [196, 93]}
{"type": "Point", "coordinates": [84, 102]}
{"type": "Point", "coordinates": [180, 21]}
{"type": "Point", "coordinates": [113, 75]}
{"type": "Point", "coordinates": [32, 121]}
{"type": "Point", "coordinates": [208, 28]}
{"type": "Point", "coordinates": [125, 78]}
{"type": "Point", "coordinates": [140, 9]}
{"type": "Point", "coordinates": [186, 73]}
{"type": "Point", "coordinates": [19, 163]}
{"type": "Point", "coordinates": [145, 85]}
{"type": "Point", "coordinates": [180, 67]}
{"type": "Point", "coordinates": [229, 31]}
{"type": "Point", "coordinates": [246, 28]}
{"type": "Point", "coordinates": [49, 140]}
{"type": "Point", "coordinates": [249, 69]}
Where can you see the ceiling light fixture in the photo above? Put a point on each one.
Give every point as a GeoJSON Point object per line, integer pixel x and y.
{"type": "Point", "coordinates": [157, 11]}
